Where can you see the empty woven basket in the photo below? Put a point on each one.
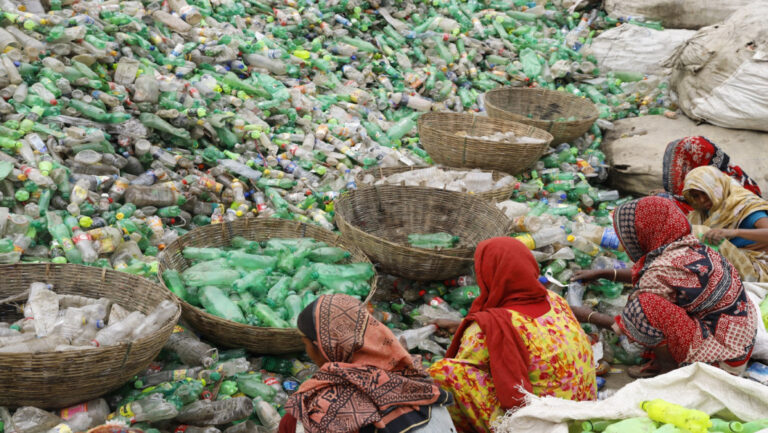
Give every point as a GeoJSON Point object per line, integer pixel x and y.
{"type": "Point", "coordinates": [378, 220]}
{"type": "Point", "coordinates": [232, 334]}
{"type": "Point", "coordinates": [60, 379]}
{"type": "Point", "coordinates": [444, 137]}
{"type": "Point", "coordinates": [499, 194]}
{"type": "Point", "coordinates": [545, 109]}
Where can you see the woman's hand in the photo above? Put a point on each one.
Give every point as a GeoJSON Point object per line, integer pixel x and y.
{"type": "Point", "coordinates": [588, 275]}
{"type": "Point", "coordinates": [449, 325]}
{"type": "Point", "coordinates": [758, 246]}
{"type": "Point", "coordinates": [617, 329]}
{"type": "Point", "coordinates": [715, 236]}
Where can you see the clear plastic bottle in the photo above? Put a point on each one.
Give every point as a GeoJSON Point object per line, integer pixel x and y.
{"type": "Point", "coordinates": [206, 412]}
{"type": "Point", "coordinates": [43, 306]}
{"type": "Point", "coordinates": [268, 416]}
{"type": "Point", "coordinates": [190, 349]}
{"type": "Point", "coordinates": [120, 331]}
{"type": "Point", "coordinates": [155, 320]}
{"type": "Point", "coordinates": [86, 415]}
{"type": "Point", "coordinates": [150, 409]}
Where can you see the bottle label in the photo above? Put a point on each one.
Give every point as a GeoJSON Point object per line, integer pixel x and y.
{"type": "Point", "coordinates": [527, 240]}
{"type": "Point", "coordinates": [61, 428]}
{"type": "Point", "coordinates": [179, 375]}
{"type": "Point", "coordinates": [610, 239]}
{"type": "Point", "coordinates": [271, 381]}
{"type": "Point", "coordinates": [181, 429]}
{"type": "Point", "coordinates": [126, 411]}
{"type": "Point", "coordinates": [177, 329]}
{"type": "Point", "coordinates": [68, 413]}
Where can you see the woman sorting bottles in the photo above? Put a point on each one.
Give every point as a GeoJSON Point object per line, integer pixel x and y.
{"type": "Point", "coordinates": [688, 303]}
{"type": "Point", "coordinates": [728, 215]}
{"type": "Point", "coordinates": [518, 337]}
{"type": "Point", "coordinates": [688, 153]}
{"type": "Point", "coordinates": [366, 382]}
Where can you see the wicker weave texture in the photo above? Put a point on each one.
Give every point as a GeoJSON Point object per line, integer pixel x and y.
{"type": "Point", "coordinates": [443, 136]}
{"type": "Point", "coordinates": [231, 334]}
{"type": "Point", "coordinates": [54, 380]}
{"type": "Point", "coordinates": [378, 220]}
{"type": "Point", "coordinates": [541, 108]}
{"type": "Point", "coordinates": [496, 195]}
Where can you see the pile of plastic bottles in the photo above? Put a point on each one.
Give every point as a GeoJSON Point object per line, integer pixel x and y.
{"type": "Point", "coordinates": [272, 281]}
{"type": "Point", "coordinates": [54, 322]}
{"type": "Point", "coordinates": [191, 386]}
{"type": "Point", "coordinates": [125, 124]}
{"type": "Point", "coordinates": [666, 417]}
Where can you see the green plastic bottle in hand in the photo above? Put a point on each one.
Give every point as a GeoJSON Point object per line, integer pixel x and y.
{"type": "Point", "coordinates": [692, 420]}
{"type": "Point", "coordinates": [217, 303]}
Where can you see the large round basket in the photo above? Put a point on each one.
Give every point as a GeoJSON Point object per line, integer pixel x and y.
{"type": "Point", "coordinates": [378, 220]}
{"type": "Point", "coordinates": [444, 137]}
{"type": "Point", "coordinates": [544, 109]}
{"type": "Point", "coordinates": [59, 379]}
{"type": "Point", "coordinates": [499, 194]}
{"type": "Point", "coordinates": [232, 334]}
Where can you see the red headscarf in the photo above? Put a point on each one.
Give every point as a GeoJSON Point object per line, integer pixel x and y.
{"type": "Point", "coordinates": [508, 277]}
{"type": "Point", "coordinates": [646, 225]}
{"type": "Point", "coordinates": [685, 154]}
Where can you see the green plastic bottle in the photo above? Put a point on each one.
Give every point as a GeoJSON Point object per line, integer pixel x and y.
{"type": "Point", "coordinates": [243, 260]}
{"type": "Point", "coordinates": [218, 278]}
{"type": "Point", "coordinates": [722, 426]}
{"type": "Point", "coordinates": [328, 255]}
{"type": "Point", "coordinates": [194, 253]}
{"type": "Point", "coordinates": [175, 284]}
{"type": "Point", "coordinates": [217, 303]}
{"type": "Point", "coordinates": [433, 240]}
{"type": "Point", "coordinates": [255, 282]}
{"type": "Point", "coordinates": [632, 425]}
{"type": "Point", "coordinates": [253, 386]}
{"type": "Point", "coordinates": [269, 317]}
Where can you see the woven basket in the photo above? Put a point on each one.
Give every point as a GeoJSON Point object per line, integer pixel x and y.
{"type": "Point", "coordinates": [232, 334]}
{"type": "Point", "coordinates": [438, 135]}
{"type": "Point", "coordinates": [54, 380]}
{"type": "Point", "coordinates": [499, 194]}
{"type": "Point", "coordinates": [378, 220]}
{"type": "Point", "coordinates": [541, 108]}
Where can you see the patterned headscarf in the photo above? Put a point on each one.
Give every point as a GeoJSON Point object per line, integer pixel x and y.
{"type": "Point", "coordinates": [369, 379]}
{"type": "Point", "coordinates": [731, 203]}
{"type": "Point", "coordinates": [673, 265]}
{"type": "Point", "coordinates": [685, 154]}
{"type": "Point", "coordinates": [646, 225]}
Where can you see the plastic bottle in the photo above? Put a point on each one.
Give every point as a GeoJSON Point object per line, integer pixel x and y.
{"type": "Point", "coordinates": [152, 408]}
{"type": "Point", "coordinates": [205, 412]}
{"type": "Point", "coordinates": [120, 331]}
{"type": "Point", "coordinates": [692, 420]}
{"type": "Point", "coordinates": [542, 238]}
{"type": "Point", "coordinates": [190, 349]}
{"type": "Point", "coordinates": [86, 415]}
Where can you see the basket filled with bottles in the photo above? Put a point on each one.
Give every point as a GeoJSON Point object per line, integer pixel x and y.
{"type": "Point", "coordinates": [562, 114]}
{"type": "Point", "coordinates": [470, 141]}
{"type": "Point", "coordinates": [416, 232]}
{"type": "Point", "coordinates": [71, 333]}
{"type": "Point", "coordinates": [243, 283]}
{"type": "Point", "coordinates": [490, 185]}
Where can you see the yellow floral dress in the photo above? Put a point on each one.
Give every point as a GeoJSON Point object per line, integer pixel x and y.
{"type": "Point", "coordinates": [561, 365]}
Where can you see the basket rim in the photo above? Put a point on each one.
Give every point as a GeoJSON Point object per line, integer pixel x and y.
{"type": "Point", "coordinates": [425, 124]}
{"type": "Point", "coordinates": [256, 221]}
{"type": "Point", "coordinates": [105, 271]}
{"type": "Point", "coordinates": [405, 168]}
{"type": "Point", "coordinates": [511, 89]}
{"type": "Point", "coordinates": [410, 249]}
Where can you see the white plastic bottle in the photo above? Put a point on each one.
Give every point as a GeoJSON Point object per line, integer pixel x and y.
{"type": "Point", "coordinates": [118, 332]}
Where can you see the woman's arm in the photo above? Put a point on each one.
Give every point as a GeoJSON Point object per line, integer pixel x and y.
{"type": "Point", "coordinates": [620, 275]}
{"type": "Point", "coordinates": [758, 234]}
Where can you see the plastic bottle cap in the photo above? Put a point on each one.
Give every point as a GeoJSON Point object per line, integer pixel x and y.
{"type": "Point", "coordinates": [543, 280]}
{"type": "Point", "coordinates": [570, 238]}
{"type": "Point", "coordinates": [85, 222]}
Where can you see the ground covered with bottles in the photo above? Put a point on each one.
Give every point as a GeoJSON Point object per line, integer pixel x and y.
{"type": "Point", "coordinates": [128, 124]}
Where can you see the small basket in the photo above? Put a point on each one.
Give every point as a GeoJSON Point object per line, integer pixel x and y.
{"type": "Point", "coordinates": [496, 195]}
{"type": "Point", "coordinates": [437, 132]}
{"type": "Point", "coordinates": [232, 334]}
{"type": "Point", "coordinates": [55, 380]}
{"type": "Point", "coordinates": [378, 220]}
{"type": "Point", "coordinates": [541, 108]}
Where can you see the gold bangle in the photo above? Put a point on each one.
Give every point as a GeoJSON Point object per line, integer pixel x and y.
{"type": "Point", "coordinates": [590, 316]}
{"type": "Point", "coordinates": [614, 274]}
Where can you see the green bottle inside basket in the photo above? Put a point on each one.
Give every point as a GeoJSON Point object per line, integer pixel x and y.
{"type": "Point", "coordinates": [433, 240]}
{"type": "Point", "coordinates": [217, 303]}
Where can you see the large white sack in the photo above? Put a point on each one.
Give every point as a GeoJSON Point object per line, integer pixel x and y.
{"type": "Point", "coordinates": [697, 386]}
{"type": "Point", "coordinates": [632, 48]}
{"type": "Point", "coordinates": [677, 14]}
{"type": "Point", "coordinates": [720, 74]}
{"type": "Point", "coordinates": [635, 149]}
